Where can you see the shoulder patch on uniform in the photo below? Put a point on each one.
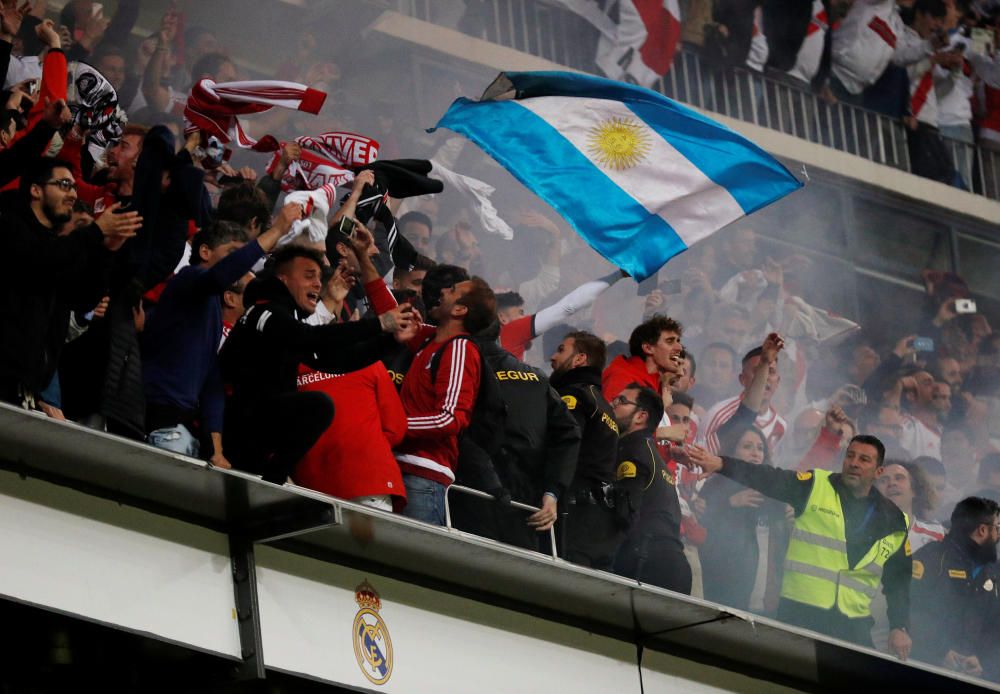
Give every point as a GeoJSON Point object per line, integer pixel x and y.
{"type": "Point", "coordinates": [803, 476]}
{"type": "Point", "coordinates": [918, 569]}
{"type": "Point", "coordinates": [906, 547]}
{"type": "Point", "coordinates": [570, 401]}
{"type": "Point", "coordinates": [626, 469]}
{"type": "Point", "coordinates": [957, 573]}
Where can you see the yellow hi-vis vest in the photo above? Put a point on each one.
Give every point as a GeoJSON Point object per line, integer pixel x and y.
{"type": "Point", "coordinates": [817, 571]}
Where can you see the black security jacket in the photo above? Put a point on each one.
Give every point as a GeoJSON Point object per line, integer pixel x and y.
{"type": "Point", "coordinates": [580, 389]}
{"type": "Point", "coordinates": [541, 439]}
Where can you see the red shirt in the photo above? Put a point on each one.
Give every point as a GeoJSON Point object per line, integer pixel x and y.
{"type": "Point", "coordinates": [437, 411]}
{"type": "Point", "coordinates": [516, 336]}
{"type": "Point", "coordinates": [623, 371]}
{"type": "Point", "coordinates": [354, 457]}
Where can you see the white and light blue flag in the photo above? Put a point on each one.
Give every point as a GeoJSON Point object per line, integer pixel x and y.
{"type": "Point", "coordinates": [640, 177]}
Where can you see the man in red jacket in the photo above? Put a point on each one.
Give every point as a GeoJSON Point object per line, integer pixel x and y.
{"type": "Point", "coordinates": [655, 348]}
{"type": "Point", "coordinates": [439, 406]}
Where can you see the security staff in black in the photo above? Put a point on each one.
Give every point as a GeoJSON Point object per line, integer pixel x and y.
{"type": "Point", "coordinates": [589, 530]}
{"type": "Point", "coordinates": [535, 463]}
{"type": "Point", "coordinates": [847, 539]}
{"type": "Point", "coordinates": [646, 497]}
{"type": "Point", "coordinates": [956, 593]}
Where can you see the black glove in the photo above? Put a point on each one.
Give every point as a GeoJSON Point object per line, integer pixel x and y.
{"type": "Point", "coordinates": [501, 495]}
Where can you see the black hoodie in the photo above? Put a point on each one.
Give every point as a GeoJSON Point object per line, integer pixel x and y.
{"type": "Point", "coordinates": [261, 356]}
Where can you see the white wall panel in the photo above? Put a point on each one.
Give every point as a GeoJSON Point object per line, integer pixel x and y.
{"type": "Point", "coordinates": [109, 563]}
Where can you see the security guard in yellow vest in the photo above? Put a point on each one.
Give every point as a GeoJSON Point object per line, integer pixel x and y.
{"type": "Point", "coordinates": [847, 539]}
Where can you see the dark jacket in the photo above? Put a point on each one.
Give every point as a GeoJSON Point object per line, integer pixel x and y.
{"type": "Point", "coordinates": [144, 262]}
{"type": "Point", "coordinates": [730, 554]}
{"type": "Point", "coordinates": [651, 491]}
{"type": "Point", "coordinates": [785, 25]}
{"type": "Point", "coordinates": [865, 521]}
{"type": "Point", "coordinates": [580, 389]}
{"type": "Point", "coordinates": [261, 356]}
{"type": "Point", "coordinates": [47, 276]}
{"type": "Point", "coordinates": [541, 440]}
{"type": "Point", "coordinates": [956, 604]}
{"type": "Point", "coordinates": [181, 340]}
{"type": "Point", "coordinates": [730, 50]}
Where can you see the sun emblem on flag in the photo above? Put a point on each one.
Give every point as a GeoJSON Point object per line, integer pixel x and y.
{"type": "Point", "coordinates": [618, 143]}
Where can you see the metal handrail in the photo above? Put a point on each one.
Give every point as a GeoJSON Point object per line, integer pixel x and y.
{"type": "Point", "coordinates": [549, 31]}
{"type": "Point", "coordinates": [489, 497]}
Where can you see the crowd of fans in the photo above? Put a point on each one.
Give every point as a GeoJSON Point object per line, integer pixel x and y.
{"type": "Point", "coordinates": [386, 348]}
{"type": "Point", "coordinates": [930, 63]}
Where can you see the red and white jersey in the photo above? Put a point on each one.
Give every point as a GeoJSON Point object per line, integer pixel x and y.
{"type": "Point", "coordinates": [987, 69]}
{"type": "Point", "coordinates": [918, 440]}
{"type": "Point", "coordinates": [870, 36]}
{"type": "Point", "coordinates": [771, 423]}
{"type": "Point", "coordinates": [923, 96]}
{"type": "Point", "coordinates": [438, 410]}
{"type": "Point", "coordinates": [925, 532]}
{"type": "Point", "coordinates": [811, 53]}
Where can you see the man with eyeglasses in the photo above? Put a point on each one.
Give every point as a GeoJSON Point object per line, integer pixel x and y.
{"type": "Point", "coordinates": [646, 496]}
{"type": "Point", "coordinates": [48, 275]}
{"type": "Point", "coordinates": [956, 593]}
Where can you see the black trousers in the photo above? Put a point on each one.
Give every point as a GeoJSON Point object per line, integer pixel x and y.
{"type": "Point", "coordinates": [270, 438]}
{"type": "Point", "coordinates": [591, 535]}
{"type": "Point", "coordinates": [827, 621]}
{"type": "Point", "coordinates": [493, 520]}
{"type": "Point", "coordinates": [654, 560]}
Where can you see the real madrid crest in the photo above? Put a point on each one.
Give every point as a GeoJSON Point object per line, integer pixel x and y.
{"type": "Point", "coordinates": [372, 645]}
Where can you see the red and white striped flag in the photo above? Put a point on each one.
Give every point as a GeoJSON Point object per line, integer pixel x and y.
{"type": "Point", "coordinates": [214, 108]}
{"type": "Point", "coordinates": [640, 47]}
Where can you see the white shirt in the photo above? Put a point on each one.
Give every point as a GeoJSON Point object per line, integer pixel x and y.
{"type": "Point", "coordinates": [954, 97]}
{"type": "Point", "coordinates": [924, 532]}
{"type": "Point", "coordinates": [871, 35]}
{"type": "Point", "coordinates": [919, 441]}
{"type": "Point", "coordinates": [321, 316]}
{"type": "Point", "coordinates": [757, 58]}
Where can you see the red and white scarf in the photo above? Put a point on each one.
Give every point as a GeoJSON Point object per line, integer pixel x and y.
{"type": "Point", "coordinates": [327, 159]}
{"type": "Point", "coordinates": [214, 108]}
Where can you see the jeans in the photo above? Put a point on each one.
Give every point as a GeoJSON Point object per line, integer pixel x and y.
{"type": "Point", "coordinates": [177, 439]}
{"type": "Point", "coordinates": [424, 499]}
{"type": "Point", "coordinates": [962, 149]}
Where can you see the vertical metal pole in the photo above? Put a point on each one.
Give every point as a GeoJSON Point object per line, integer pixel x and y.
{"type": "Point", "coordinates": [700, 84]}
{"type": "Point", "coordinates": [841, 113]}
{"type": "Point", "coordinates": [880, 122]}
{"type": "Point", "coordinates": [247, 607]}
{"type": "Point", "coordinates": [956, 265]}
{"type": "Point", "coordinates": [817, 125]}
{"type": "Point", "coordinates": [447, 508]}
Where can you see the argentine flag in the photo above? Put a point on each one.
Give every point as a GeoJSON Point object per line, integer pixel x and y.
{"type": "Point", "coordinates": [640, 177]}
